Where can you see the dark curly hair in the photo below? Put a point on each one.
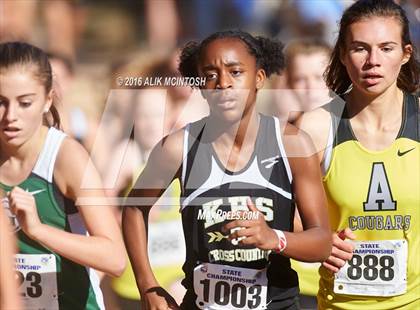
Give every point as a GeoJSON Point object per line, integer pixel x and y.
{"type": "Point", "coordinates": [268, 53]}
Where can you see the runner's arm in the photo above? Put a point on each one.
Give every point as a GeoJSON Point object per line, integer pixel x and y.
{"type": "Point", "coordinates": [314, 242]}
{"type": "Point", "coordinates": [161, 169]}
{"type": "Point", "coordinates": [317, 125]}
{"type": "Point", "coordinates": [103, 249]}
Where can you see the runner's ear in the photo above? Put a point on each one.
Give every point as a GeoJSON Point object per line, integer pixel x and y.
{"type": "Point", "coordinates": [260, 78]}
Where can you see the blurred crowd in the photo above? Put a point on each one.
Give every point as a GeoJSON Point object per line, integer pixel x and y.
{"type": "Point", "coordinates": [94, 43]}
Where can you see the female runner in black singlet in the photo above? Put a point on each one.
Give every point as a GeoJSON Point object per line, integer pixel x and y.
{"type": "Point", "coordinates": [241, 173]}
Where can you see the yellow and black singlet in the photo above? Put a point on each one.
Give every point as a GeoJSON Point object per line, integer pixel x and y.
{"type": "Point", "coordinates": [377, 195]}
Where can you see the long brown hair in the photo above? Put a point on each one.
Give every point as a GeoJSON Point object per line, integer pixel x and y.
{"type": "Point", "coordinates": [20, 53]}
{"type": "Point", "coordinates": [336, 75]}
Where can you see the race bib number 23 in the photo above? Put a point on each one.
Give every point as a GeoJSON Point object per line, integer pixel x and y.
{"type": "Point", "coordinates": [37, 279]}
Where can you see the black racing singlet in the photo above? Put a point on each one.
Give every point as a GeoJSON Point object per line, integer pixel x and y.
{"type": "Point", "coordinates": [219, 274]}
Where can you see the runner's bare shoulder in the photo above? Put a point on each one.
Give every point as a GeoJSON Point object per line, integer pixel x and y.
{"type": "Point", "coordinates": [317, 123]}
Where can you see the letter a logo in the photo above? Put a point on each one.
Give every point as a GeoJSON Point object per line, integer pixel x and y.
{"type": "Point", "coordinates": [379, 197]}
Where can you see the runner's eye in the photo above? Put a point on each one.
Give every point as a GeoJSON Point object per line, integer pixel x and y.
{"type": "Point", "coordinates": [236, 72]}
{"type": "Point", "coordinates": [25, 104]}
{"type": "Point", "coordinates": [359, 49]}
{"type": "Point", "coordinates": [211, 76]}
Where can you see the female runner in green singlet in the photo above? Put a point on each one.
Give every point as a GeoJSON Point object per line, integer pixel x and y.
{"type": "Point", "coordinates": [44, 173]}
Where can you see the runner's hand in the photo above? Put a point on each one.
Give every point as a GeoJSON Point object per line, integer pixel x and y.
{"type": "Point", "coordinates": [341, 252]}
{"type": "Point", "coordinates": [156, 298]}
{"type": "Point", "coordinates": [22, 205]}
{"type": "Point", "coordinates": [252, 230]}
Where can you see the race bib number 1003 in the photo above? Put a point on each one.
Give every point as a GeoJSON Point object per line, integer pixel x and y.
{"type": "Point", "coordinates": [377, 268]}
{"type": "Point", "coordinates": [37, 280]}
{"type": "Point", "coordinates": [227, 287]}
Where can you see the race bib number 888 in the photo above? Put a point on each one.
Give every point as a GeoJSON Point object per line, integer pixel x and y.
{"type": "Point", "coordinates": [377, 268]}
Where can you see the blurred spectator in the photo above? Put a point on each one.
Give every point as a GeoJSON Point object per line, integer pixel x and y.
{"type": "Point", "coordinates": [184, 105]}
{"type": "Point", "coordinates": [319, 18]}
{"type": "Point", "coordinates": [181, 103]}
{"type": "Point", "coordinates": [17, 20]}
{"type": "Point", "coordinates": [149, 113]}
{"type": "Point", "coordinates": [302, 87]}
{"type": "Point", "coordinates": [162, 35]}
{"type": "Point", "coordinates": [412, 9]}
{"type": "Point", "coordinates": [154, 112]}
{"type": "Point", "coordinates": [64, 23]}
{"type": "Point", "coordinates": [79, 119]}
{"type": "Point", "coordinates": [63, 75]}
{"type": "Point", "coordinates": [209, 16]}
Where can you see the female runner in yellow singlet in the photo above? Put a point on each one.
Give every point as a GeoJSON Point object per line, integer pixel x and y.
{"type": "Point", "coordinates": [371, 162]}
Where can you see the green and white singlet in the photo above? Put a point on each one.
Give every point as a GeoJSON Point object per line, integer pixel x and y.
{"type": "Point", "coordinates": [46, 279]}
